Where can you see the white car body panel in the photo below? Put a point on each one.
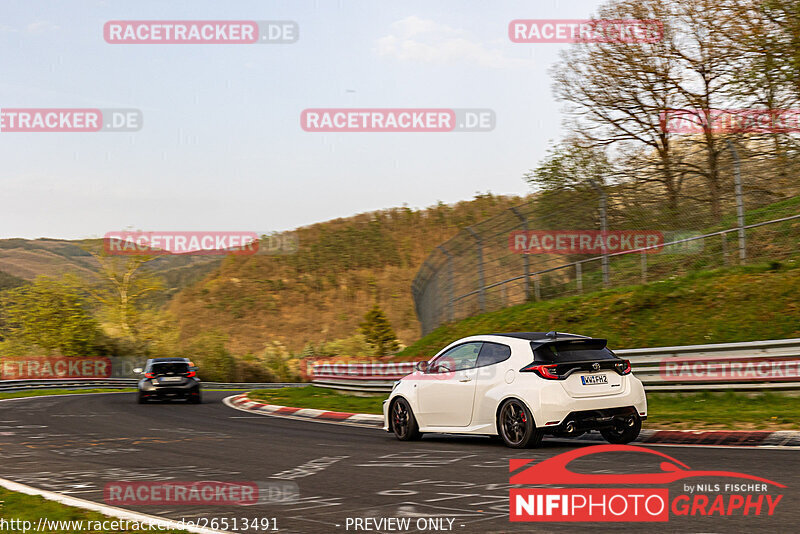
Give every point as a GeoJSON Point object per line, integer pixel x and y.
{"type": "Point", "coordinates": [467, 402]}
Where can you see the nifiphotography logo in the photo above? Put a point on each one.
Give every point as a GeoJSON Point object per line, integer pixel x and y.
{"type": "Point", "coordinates": [610, 504]}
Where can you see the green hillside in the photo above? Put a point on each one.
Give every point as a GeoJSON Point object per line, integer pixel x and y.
{"type": "Point", "coordinates": [319, 294]}
{"type": "Point", "coordinates": [24, 259]}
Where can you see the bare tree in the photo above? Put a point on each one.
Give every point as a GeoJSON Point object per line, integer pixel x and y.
{"type": "Point", "coordinates": [708, 60]}
{"type": "Point", "coordinates": [768, 78]}
{"type": "Point", "coordinates": [616, 93]}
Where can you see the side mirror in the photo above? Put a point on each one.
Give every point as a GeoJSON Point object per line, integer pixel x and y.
{"type": "Point", "coordinates": [422, 366]}
{"type": "Point", "coordinates": [138, 370]}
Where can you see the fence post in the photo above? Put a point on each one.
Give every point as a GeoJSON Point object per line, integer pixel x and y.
{"type": "Point", "coordinates": [481, 281]}
{"type": "Point", "coordinates": [537, 294]}
{"type": "Point", "coordinates": [446, 252]}
{"type": "Point", "coordinates": [644, 267]}
{"type": "Point", "coordinates": [724, 248]}
{"type": "Point", "coordinates": [737, 176]}
{"type": "Point", "coordinates": [579, 276]}
{"type": "Point", "coordinates": [603, 227]}
{"type": "Point", "coordinates": [525, 257]}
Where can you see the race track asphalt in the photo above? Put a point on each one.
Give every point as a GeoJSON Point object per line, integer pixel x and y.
{"type": "Point", "coordinates": [78, 444]}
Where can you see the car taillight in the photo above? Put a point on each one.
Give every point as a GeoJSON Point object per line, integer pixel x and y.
{"type": "Point", "coordinates": [150, 375]}
{"type": "Point", "coordinates": [190, 374]}
{"type": "Point", "coordinates": [623, 367]}
{"type": "Point", "coordinates": [550, 372]}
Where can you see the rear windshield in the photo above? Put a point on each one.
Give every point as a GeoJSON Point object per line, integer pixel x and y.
{"type": "Point", "coordinates": [573, 351]}
{"type": "Point", "coordinates": [170, 368]}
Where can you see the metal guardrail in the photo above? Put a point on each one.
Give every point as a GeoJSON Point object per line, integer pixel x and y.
{"type": "Point", "coordinates": [759, 365]}
{"type": "Point", "coordinates": [121, 383]}
{"type": "Point", "coordinates": [368, 377]}
{"type": "Point", "coordinates": [67, 383]}
{"type": "Point", "coordinates": [753, 365]}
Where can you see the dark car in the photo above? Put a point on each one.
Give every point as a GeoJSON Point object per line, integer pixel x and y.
{"type": "Point", "coordinates": [169, 378]}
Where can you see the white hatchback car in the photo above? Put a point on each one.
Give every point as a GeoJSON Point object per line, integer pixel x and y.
{"type": "Point", "coordinates": [520, 386]}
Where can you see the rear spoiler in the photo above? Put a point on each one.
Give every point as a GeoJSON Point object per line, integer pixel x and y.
{"type": "Point", "coordinates": [572, 343]}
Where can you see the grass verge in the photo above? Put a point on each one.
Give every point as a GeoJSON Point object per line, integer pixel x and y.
{"type": "Point", "coordinates": [21, 507]}
{"type": "Point", "coordinates": [724, 410]}
{"type": "Point", "coordinates": [706, 410]}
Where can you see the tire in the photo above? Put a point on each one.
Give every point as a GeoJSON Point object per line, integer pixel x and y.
{"type": "Point", "coordinates": [516, 426]}
{"type": "Point", "coordinates": [140, 398]}
{"type": "Point", "coordinates": [195, 399]}
{"type": "Point", "coordinates": [622, 435]}
{"type": "Point", "coordinates": [404, 424]}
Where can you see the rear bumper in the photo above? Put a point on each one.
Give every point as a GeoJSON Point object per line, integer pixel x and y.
{"type": "Point", "coordinates": [552, 407]}
{"type": "Point", "coordinates": [583, 421]}
{"type": "Point", "coordinates": [173, 390]}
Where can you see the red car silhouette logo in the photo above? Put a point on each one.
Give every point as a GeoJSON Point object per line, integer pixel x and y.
{"type": "Point", "coordinates": [554, 470]}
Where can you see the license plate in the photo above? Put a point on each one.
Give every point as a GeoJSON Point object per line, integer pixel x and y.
{"type": "Point", "coordinates": [170, 379]}
{"type": "Point", "coordinates": [594, 379]}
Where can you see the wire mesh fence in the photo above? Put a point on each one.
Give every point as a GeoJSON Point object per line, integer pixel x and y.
{"type": "Point", "coordinates": [570, 242]}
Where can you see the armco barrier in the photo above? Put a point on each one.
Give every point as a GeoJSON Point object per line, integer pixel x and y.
{"type": "Point", "coordinates": [753, 365]}
{"type": "Point", "coordinates": [121, 383]}
{"type": "Point", "coordinates": [362, 376]}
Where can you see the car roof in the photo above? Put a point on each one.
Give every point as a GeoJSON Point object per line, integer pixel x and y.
{"type": "Point", "coordinates": [161, 360]}
{"type": "Point", "coordinates": [542, 336]}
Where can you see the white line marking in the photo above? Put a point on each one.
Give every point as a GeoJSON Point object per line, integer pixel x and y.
{"type": "Point", "coordinates": [103, 508]}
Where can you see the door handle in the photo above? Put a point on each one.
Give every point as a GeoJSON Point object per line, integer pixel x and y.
{"type": "Point", "coordinates": [465, 380]}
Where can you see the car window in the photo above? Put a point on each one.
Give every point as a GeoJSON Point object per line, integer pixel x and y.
{"type": "Point", "coordinates": [492, 353]}
{"type": "Point", "coordinates": [170, 368]}
{"type": "Point", "coordinates": [573, 351]}
{"type": "Point", "coordinates": [461, 357]}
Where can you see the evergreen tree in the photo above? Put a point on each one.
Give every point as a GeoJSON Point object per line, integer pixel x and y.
{"type": "Point", "coordinates": [378, 332]}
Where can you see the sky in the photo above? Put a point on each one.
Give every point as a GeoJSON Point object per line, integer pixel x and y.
{"type": "Point", "coordinates": [221, 146]}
